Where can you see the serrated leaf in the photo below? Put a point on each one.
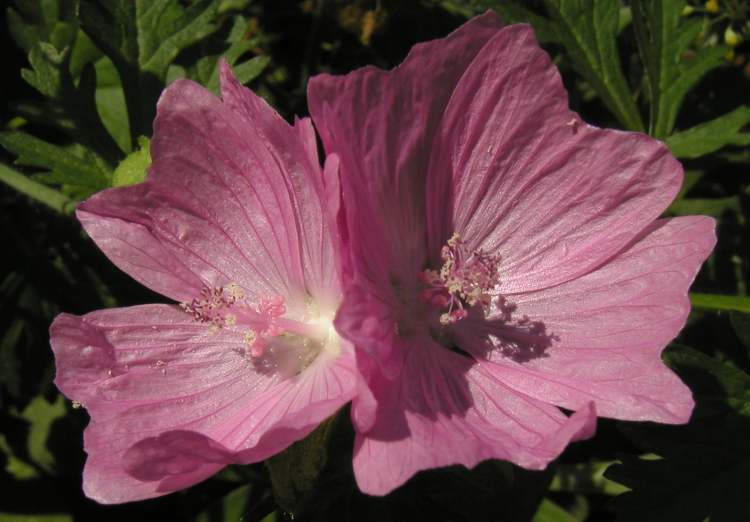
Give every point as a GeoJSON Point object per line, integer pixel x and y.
{"type": "Point", "coordinates": [34, 21]}
{"type": "Point", "coordinates": [71, 106]}
{"type": "Point", "coordinates": [663, 38]}
{"type": "Point", "coordinates": [86, 173]}
{"type": "Point", "coordinates": [142, 38]}
{"type": "Point", "coordinates": [588, 30]}
{"type": "Point", "coordinates": [712, 135]}
{"type": "Point", "coordinates": [206, 70]}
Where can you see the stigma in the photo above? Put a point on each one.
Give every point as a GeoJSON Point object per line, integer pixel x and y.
{"type": "Point", "coordinates": [272, 339]}
{"type": "Point", "coordinates": [465, 280]}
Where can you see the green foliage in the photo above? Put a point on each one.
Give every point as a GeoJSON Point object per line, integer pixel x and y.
{"type": "Point", "coordinates": [77, 170]}
{"type": "Point", "coordinates": [700, 471]}
{"type": "Point", "coordinates": [142, 38]}
{"type": "Point", "coordinates": [70, 106]}
{"type": "Point", "coordinates": [551, 512]}
{"type": "Point", "coordinates": [588, 30]}
{"type": "Point", "coordinates": [133, 168]}
{"type": "Point", "coordinates": [711, 136]}
{"type": "Point", "coordinates": [206, 69]}
{"type": "Point", "coordinates": [663, 42]}
{"type": "Point", "coordinates": [81, 124]}
{"type": "Point", "coordinates": [720, 302]}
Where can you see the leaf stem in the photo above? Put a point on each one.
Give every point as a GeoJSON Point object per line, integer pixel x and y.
{"type": "Point", "coordinates": [41, 193]}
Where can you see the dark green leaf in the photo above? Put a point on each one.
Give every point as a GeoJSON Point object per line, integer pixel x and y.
{"type": "Point", "coordinates": [313, 480]}
{"type": "Point", "coordinates": [588, 30]}
{"type": "Point", "coordinates": [142, 38]}
{"type": "Point", "coordinates": [700, 471]}
{"type": "Point", "coordinates": [71, 106]}
{"type": "Point", "coordinates": [663, 41]}
{"type": "Point", "coordinates": [741, 325]}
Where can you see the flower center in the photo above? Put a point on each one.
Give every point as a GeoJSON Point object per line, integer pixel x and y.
{"type": "Point", "coordinates": [466, 279]}
{"type": "Point", "coordinates": [274, 341]}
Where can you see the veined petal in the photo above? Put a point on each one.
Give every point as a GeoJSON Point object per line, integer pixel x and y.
{"type": "Point", "coordinates": [609, 328]}
{"type": "Point", "coordinates": [515, 173]}
{"type": "Point", "coordinates": [234, 195]}
{"type": "Point", "coordinates": [446, 409]}
{"type": "Point", "coordinates": [381, 125]}
{"type": "Point", "coordinates": [171, 402]}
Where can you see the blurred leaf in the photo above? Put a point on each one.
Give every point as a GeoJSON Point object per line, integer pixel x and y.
{"type": "Point", "coordinates": [34, 21]}
{"type": "Point", "coordinates": [585, 477]}
{"type": "Point", "coordinates": [741, 325]}
{"type": "Point", "coordinates": [79, 175]}
{"type": "Point", "coordinates": [7, 517]}
{"type": "Point", "coordinates": [588, 30]}
{"type": "Point", "coordinates": [512, 12]}
{"type": "Point", "coordinates": [702, 469]}
{"type": "Point", "coordinates": [551, 512]}
{"type": "Point", "coordinates": [663, 37]}
{"type": "Point", "coordinates": [712, 135]}
{"type": "Point", "coordinates": [142, 38]}
{"type": "Point", "coordinates": [10, 366]}
{"type": "Point", "coordinates": [40, 415]}
{"type": "Point", "coordinates": [708, 206]}
{"type": "Point", "coordinates": [241, 504]}
{"type": "Point", "coordinates": [25, 185]}
{"type": "Point", "coordinates": [720, 302]}
{"type": "Point", "coordinates": [134, 167]}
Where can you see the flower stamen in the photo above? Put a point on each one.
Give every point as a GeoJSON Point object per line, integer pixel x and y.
{"type": "Point", "coordinates": [462, 282]}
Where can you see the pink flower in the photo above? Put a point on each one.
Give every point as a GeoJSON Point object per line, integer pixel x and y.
{"type": "Point", "coordinates": [237, 222]}
{"type": "Point", "coordinates": [506, 258]}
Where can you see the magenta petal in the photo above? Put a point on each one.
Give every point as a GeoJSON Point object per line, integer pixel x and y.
{"type": "Point", "coordinates": [381, 125]}
{"type": "Point", "coordinates": [234, 195]}
{"type": "Point", "coordinates": [446, 410]}
{"type": "Point", "coordinates": [158, 384]}
{"type": "Point", "coordinates": [516, 173]}
{"type": "Point", "coordinates": [611, 326]}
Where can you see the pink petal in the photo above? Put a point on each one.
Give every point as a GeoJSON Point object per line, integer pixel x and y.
{"type": "Point", "coordinates": [234, 195]}
{"type": "Point", "coordinates": [381, 125]}
{"type": "Point", "coordinates": [171, 402]}
{"type": "Point", "coordinates": [516, 173]}
{"type": "Point", "coordinates": [448, 410]}
{"type": "Point", "coordinates": [610, 328]}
